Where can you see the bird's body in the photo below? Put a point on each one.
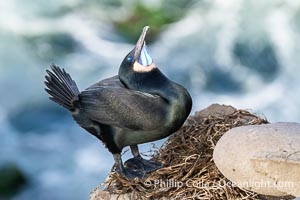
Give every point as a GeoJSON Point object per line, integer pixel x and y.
{"type": "Point", "coordinates": [137, 106]}
{"type": "Point", "coordinates": [130, 116]}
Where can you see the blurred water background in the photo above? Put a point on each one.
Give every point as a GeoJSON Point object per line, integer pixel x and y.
{"type": "Point", "coordinates": [242, 53]}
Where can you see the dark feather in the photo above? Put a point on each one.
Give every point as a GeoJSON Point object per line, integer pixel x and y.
{"type": "Point", "coordinates": [61, 88]}
{"type": "Point", "coordinates": [58, 91]}
{"type": "Point", "coordinates": [109, 102]}
{"type": "Point", "coordinates": [53, 79]}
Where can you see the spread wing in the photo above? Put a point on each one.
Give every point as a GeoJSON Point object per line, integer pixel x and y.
{"type": "Point", "coordinates": [109, 102]}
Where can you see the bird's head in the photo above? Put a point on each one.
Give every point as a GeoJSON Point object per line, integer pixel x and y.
{"type": "Point", "coordinates": [138, 60]}
{"type": "Point", "coordinates": [138, 71]}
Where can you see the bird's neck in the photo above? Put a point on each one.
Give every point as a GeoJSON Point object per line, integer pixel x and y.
{"type": "Point", "coordinates": [176, 96]}
{"type": "Point", "coordinates": [153, 82]}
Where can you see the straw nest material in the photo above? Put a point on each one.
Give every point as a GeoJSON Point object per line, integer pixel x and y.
{"type": "Point", "coordinates": [189, 171]}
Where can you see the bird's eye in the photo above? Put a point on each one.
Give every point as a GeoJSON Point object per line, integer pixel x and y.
{"type": "Point", "coordinates": [129, 59]}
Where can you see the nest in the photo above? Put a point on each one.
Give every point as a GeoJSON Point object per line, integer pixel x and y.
{"type": "Point", "coordinates": [189, 171]}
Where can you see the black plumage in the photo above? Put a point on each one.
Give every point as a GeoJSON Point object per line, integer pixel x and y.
{"type": "Point", "coordinates": [138, 105]}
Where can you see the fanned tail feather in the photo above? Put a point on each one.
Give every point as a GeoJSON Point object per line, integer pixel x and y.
{"type": "Point", "coordinates": [61, 88]}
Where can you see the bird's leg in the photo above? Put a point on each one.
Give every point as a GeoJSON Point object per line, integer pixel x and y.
{"type": "Point", "coordinates": [139, 163]}
{"type": "Point", "coordinates": [118, 163]}
{"type": "Point", "coordinates": [135, 152]}
{"type": "Point", "coordinates": [127, 172]}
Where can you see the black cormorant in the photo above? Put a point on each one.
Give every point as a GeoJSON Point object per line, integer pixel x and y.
{"type": "Point", "coordinates": [138, 105]}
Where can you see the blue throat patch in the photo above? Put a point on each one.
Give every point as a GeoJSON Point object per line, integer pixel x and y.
{"type": "Point", "coordinates": [145, 58]}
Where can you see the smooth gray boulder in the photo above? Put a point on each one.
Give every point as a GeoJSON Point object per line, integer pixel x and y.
{"type": "Point", "coordinates": [262, 158]}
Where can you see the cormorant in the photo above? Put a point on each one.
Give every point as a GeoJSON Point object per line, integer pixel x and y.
{"type": "Point", "coordinates": [138, 105]}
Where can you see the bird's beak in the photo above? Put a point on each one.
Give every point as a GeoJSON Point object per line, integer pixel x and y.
{"type": "Point", "coordinates": [141, 54]}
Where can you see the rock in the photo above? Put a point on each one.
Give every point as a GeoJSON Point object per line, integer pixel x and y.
{"type": "Point", "coordinates": [262, 158]}
{"type": "Point", "coordinates": [98, 194]}
{"type": "Point", "coordinates": [11, 179]}
{"type": "Point", "coordinates": [215, 110]}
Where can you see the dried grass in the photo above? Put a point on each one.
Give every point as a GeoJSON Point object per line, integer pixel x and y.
{"type": "Point", "coordinates": [188, 158]}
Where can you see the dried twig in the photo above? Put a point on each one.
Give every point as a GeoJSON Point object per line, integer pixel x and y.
{"type": "Point", "coordinates": [187, 158]}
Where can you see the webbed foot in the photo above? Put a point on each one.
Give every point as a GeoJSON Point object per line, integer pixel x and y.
{"type": "Point", "coordinates": [140, 164]}
{"type": "Point", "coordinates": [130, 173]}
